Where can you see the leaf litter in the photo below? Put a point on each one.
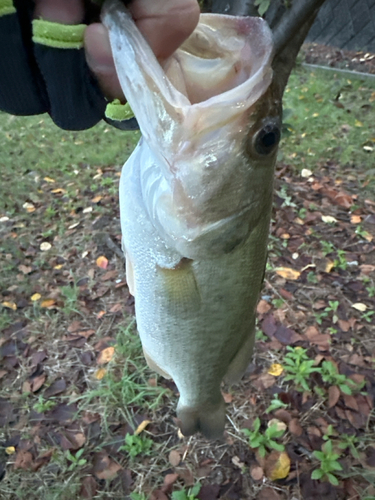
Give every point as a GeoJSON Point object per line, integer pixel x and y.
{"type": "Point", "coordinates": [64, 388]}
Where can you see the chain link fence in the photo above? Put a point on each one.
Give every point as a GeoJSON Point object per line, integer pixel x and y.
{"type": "Point", "coordinates": [347, 24]}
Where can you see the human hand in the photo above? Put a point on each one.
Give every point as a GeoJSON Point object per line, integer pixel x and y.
{"type": "Point", "coordinates": [58, 81]}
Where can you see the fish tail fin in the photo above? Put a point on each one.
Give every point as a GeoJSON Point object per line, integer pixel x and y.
{"type": "Point", "coordinates": [207, 419]}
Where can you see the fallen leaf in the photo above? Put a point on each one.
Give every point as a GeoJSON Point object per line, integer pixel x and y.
{"type": "Point", "coordinates": [355, 219]}
{"type": "Point", "coordinates": [333, 395]}
{"type": "Point", "coordinates": [295, 427]}
{"type": "Point", "coordinates": [99, 374]}
{"type": "Point", "coordinates": [174, 458]}
{"type": "Point", "coordinates": [49, 179]}
{"type": "Point", "coordinates": [35, 297]}
{"type": "Point", "coordinates": [142, 426]}
{"type": "Point", "coordinates": [105, 355]}
{"type": "Point", "coordinates": [158, 495]}
{"type": "Point", "coordinates": [360, 306]}
{"type": "Point", "coordinates": [275, 422]}
{"type": "Point", "coordinates": [88, 488]}
{"type": "Point", "coordinates": [55, 388]}
{"type": "Point", "coordinates": [169, 481]}
{"type": "Point", "coordinates": [47, 303]}
{"type": "Point", "coordinates": [275, 369]}
{"type": "Point", "coordinates": [104, 467]}
{"type": "Point", "coordinates": [9, 305]}
{"type": "Point", "coordinates": [9, 450]}
{"type": "Point", "coordinates": [102, 262]}
{"type": "Point", "coordinates": [287, 273]}
{"type": "Point", "coordinates": [45, 246]}
{"type": "Point", "coordinates": [277, 465]}
{"type": "Point", "coordinates": [268, 493]}
{"type": "Point", "coordinates": [37, 382]}
{"type": "Point", "coordinates": [329, 266]}
{"type": "Point", "coordinates": [228, 398]}
{"type": "Point", "coordinates": [263, 307]}
{"type": "Point", "coordinates": [263, 381]}
{"type": "Point", "coordinates": [58, 191]}
{"type": "Point", "coordinates": [328, 219]}
{"type": "Point", "coordinates": [24, 460]}
{"type": "Point", "coordinates": [306, 173]}
{"type": "Point", "coordinates": [29, 207]}
{"type": "Point", "coordinates": [25, 269]}
{"type": "Point", "coordinates": [256, 472]}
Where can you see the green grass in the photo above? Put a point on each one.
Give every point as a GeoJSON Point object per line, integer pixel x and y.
{"type": "Point", "coordinates": [321, 131]}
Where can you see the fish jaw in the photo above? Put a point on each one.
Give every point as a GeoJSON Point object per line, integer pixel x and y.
{"type": "Point", "coordinates": [195, 201]}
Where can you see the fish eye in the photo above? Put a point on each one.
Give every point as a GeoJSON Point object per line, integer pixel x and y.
{"type": "Point", "coordinates": [267, 139]}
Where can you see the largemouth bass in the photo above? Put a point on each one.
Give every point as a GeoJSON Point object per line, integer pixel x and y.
{"type": "Point", "coordinates": [195, 201]}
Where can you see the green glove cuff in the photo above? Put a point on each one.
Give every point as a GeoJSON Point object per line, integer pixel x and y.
{"type": "Point", "coordinates": [61, 36]}
{"type": "Point", "coordinates": [6, 7]}
{"type": "Point", "coordinates": [118, 112]}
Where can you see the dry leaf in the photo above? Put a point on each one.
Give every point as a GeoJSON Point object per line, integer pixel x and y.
{"type": "Point", "coordinates": [49, 179]}
{"type": "Point", "coordinates": [329, 266]}
{"type": "Point", "coordinates": [142, 426]}
{"type": "Point", "coordinates": [275, 422]}
{"type": "Point", "coordinates": [306, 173]}
{"type": "Point", "coordinates": [328, 219]}
{"type": "Point", "coordinates": [256, 472]}
{"type": "Point", "coordinates": [174, 458]}
{"type": "Point", "coordinates": [9, 305]}
{"type": "Point", "coordinates": [295, 427]}
{"type": "Point", "coordinates": [288, 273]}
{"type": "Point", "coordinates": [35, 297]}
{"type": "Point", "coordinates": [45, 246]}
{"type": "Point", "coordinates": [47, 303]}
{"type": "Point", "coordinates": [333, 395]}
{"type": "Point", "coordinates": [106, 355]}
{"type": "Point", "coordinates": [29, 207]}
{"type": "Point", "coordinates": [275, 369]}
{"type": "Point", "coordinates": [228, 398]}
{"type": "Point", "coordinates": [100, 373]}
{"type": "Point", "coordinates": [102, 262]}
{"type": "Point", "coordinates": [360, 306]}
{"type": "Point", "coordinates": [277, 465]}
{"type": "Point", "coordinates": [10, 450]}
{"type": "Point", "coordinates": [355, 219]}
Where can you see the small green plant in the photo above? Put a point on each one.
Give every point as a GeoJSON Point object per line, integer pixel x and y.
{"type": "Point", "coordinates": [262, 6]}
{"type": "Point", "coordinates": [264, 441]}
{"type": "Point", "coordinates": [331, 376]}
{"type": "Point", "coordinates": [371, 291]}
{"type": "Point", "coordinates": [327, 247]}
{"type": "Point", "coordinates": [299, 367]}
{"type": "Point", "coordinates": [191, 494]}
{"type": "Point", "coordinates": [311, 277]}
{"type": "Point", "coordinates": [341, 261]}
{"type": "Point", "coordinates": [70, 294]}
{"type": "Point", "coordinates": [260, 336]}
{"type": "Point", "coordinates": [278, 303]}
{"type": "Point", "coordinates": [333, 306]}
{"type": "Point", "coordinates": [137, 496]}
{"type": "Point", "coordinates": [137, 445]}
{"type": "Point", "coordinates": [349, 441]}
{"type": "Point", "coordinates": [367, 316]}
{"type": "Point", "coordinates": [276, 404]}
{"type": "Point", "coordinates": [320, 316]}
{"type": "Point", "coordinates": [43, 404]}
{"type": "Point", "coordinates": [328, 464]}
{"type": "Point", "coordinates": [76, 460]}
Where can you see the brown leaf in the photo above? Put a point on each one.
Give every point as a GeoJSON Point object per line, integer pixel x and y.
{"type": "Point", "coordinates": [158, 495]}
{"type": "Point", "coordinates": [169, 481]}
{"type": "Point", "coordinates": [105, 355]}
{"type": "Point", "coordinates": [24, 460]}
{"type": "Point", "coordinates": [109, 275]}
{"type": "Point", "coordinates": [256, 472]}
{"type": "Point", "coordinates": [105, 467]}
{"type": "Point", "coordinates": [187, 476]}
{"type": "Point", "coordinates": [117, 308]}
{"type": "Point", "coordinates": [263, 307]}
{"type": "Point", "coordinates": [295, 427]}
{"type": "Point", "coordinates": [37, 382]}
{"type": "Point", "coordinates": [174, 458]}
{"type": "Point", "coordinates": [350, 402]}
{"type": "Point", "coordinates": [322, 341]}
{"type": "Point", "coordinates": [268, 493]}
{"type": "Point", "coordinates": [263, 381]}
{"type": "Point", "coordinates": [74, 326]}
{"type": "Point", "coordinates": [89, 488]}
{"type": "Point", "coordinates": [344, 325]}
{"type": "Point", "coordinates": [228, 398]}
{"type": "Point", "coordinates": [287, 336]}
{"type": "Point", "coordinates": [57, 387]}
{"type": "Point", "coordinates": [86, 333]}
{"type": "Point", "coordinates": [333, 395]}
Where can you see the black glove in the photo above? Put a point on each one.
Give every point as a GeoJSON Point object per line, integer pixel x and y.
{"type": "Point", "coordinates": [43, 69]}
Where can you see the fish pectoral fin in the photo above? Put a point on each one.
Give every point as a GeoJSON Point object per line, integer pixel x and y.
{"type": "Point", "coordinates": [154, 366]}
{"type": "Point", "coordinates": [180, 288]}
{"type": "Point", "coordinates": [239, 363]}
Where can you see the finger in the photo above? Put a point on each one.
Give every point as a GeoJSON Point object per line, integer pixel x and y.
{"type": "Point", "coordinates": [165, 24]}
{"type": "Point", "coordinates": [60, 11]}
{"type": "Point", "coordinates": [100, 60]}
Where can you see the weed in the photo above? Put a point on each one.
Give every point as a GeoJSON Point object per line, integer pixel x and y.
{"type": "Point", "coordinates": [311, 278]}
{"type": "Point", "coordinates": [331, 376]}
{"type": "Point", "coordinates": [341, 261]}
{"type": "Point", "coordinates": [264, 441]}
{"type": "Point", "coordinates": [76, 460]}
{"type": "Point", "coordinates": [260, 336]}
{"type": "Point", "coordinates": [70, 294]}
{"type": "Point", "coordinates": [298, 367]}
{"type": "Point", "coordinates": [276, 404]}
{"type": "Point", "coordinates": [367, 316]}
{"type": "Point", "coordinates": [43, 404]}
{"type": "Point", "coordinates": [137, 496]}
{"type": "Point", "coordinates": [278, 303]}
{"type": "Point", "coordinates": [327, 247]}
{"type": "Point", "coordinates": [349, 441]}
{"type": "Point", "coordinates": [328, 464]}
{"type": "Point", "coordinates": [191, 494]}
{"type": "Point", "coordinates": [137, 445]}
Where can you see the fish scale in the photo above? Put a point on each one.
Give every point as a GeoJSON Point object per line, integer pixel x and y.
{"type": "Point", "coordinates": [195, 201]}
